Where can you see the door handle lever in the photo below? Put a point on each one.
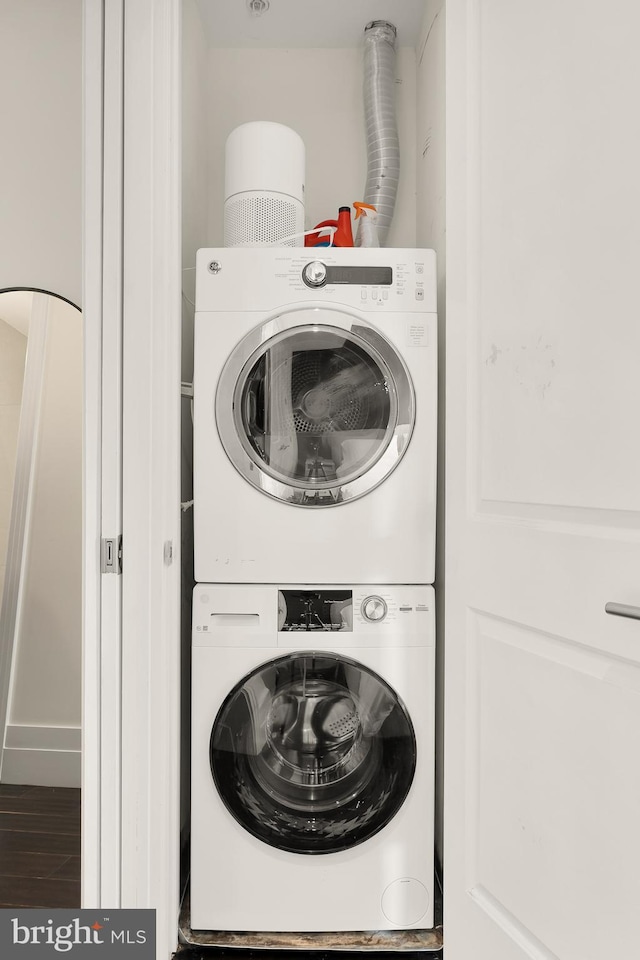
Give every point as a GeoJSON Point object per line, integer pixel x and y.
{"type": "Point", "coordinates": [622, 610]}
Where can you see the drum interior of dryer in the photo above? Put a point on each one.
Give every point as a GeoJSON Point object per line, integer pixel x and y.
{"type": "Point", "coordinates": [313, 753]}
{"type": "Point", "coordinates": [317, 413]}
{"type": "Point", "coordinates": [317, 407]}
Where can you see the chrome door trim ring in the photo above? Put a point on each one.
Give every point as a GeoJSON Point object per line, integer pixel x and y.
{"type": "Point", "coordinates": [255, 471]}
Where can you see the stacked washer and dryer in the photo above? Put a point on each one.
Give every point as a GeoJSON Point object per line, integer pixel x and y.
{"type": "Point", "coordinates": [313, 618]}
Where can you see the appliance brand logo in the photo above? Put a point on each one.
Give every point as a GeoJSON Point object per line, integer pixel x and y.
{"type": "Point", "coordinates": [40, 933]}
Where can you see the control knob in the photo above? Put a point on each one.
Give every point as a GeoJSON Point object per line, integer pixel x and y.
{"type": "Point", "coordinates": [374, 609]}
{"type": "Point", "coordinates": [315, 274]}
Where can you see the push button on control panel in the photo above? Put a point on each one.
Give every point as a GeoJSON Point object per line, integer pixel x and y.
{"type": "Point", "coordinates": [374, 609]}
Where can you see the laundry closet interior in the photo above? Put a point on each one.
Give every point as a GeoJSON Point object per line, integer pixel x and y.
{"type": "Point", "coordinates": [302, 66]}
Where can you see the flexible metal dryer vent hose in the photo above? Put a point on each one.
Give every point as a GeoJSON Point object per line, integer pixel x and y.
{"type": "Point", "coordinates": [383, 149]}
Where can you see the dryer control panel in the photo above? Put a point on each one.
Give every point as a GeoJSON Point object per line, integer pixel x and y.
{"type": "Point", "coordinates": [316, 273]}
{"type": "Point", "coordinates": [369, 279]}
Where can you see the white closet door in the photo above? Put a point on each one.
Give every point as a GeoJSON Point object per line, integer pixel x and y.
{"type": "Point", "coordinates": [542, 777]}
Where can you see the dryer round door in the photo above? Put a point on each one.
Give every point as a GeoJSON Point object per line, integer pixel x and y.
{"type": "Point", "coordinates": [315, 407]}
{"type": "Point", "coordinates": [313, 753]}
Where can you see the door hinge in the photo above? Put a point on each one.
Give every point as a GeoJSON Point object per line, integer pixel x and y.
{"type": "Point", "coordinates": [111, 555]}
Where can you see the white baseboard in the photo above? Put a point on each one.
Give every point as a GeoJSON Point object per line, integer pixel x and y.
{"type": "Point", "coordinates": [42, 756]}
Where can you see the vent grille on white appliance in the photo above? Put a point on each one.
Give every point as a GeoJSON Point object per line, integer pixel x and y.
{"type": "Point", "coordinates": [256, 218]}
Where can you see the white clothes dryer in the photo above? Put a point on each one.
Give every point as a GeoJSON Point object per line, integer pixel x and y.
{"type": "Point", "coordinates": [312, 758]}
{"type": "Point", "coordinates": [315, 411]}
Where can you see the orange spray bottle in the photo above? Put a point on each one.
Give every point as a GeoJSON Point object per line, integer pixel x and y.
{"type": "Point", "coordinates": [367, 214]}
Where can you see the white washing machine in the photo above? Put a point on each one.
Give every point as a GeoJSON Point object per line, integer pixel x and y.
{"type": "Point", "coordinates": [315, 406]}
{"type": "Point", "coordinates": [312, 758]}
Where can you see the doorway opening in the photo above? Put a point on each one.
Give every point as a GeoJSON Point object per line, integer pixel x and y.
{"type": "Point", "coordinates": [41, 591]}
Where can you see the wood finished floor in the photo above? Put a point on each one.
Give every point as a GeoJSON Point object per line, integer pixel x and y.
{"type": "Point", "coordinates": [39, 846]}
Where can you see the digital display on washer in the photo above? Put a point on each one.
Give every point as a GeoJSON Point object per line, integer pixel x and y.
{"type": "Point", "coordinates": [311, 610]}
{"type": "Point", "coordinates": [372, 276]}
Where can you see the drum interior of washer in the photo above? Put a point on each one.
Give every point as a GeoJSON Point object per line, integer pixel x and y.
{"type": "Point", "coordinates": [312, 752]}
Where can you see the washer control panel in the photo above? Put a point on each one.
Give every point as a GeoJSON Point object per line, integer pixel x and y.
{"type": "Point", "coordinates": [313, 617]}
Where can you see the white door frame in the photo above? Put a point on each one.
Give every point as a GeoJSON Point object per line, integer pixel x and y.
{"type": "Point", "coordinates": [102, 606]}
{"type": "Point", "coordinates": [132, 300]}
{"type": "Point", "coordinates": [93, 84]}
{"type": "Point", "coordinates": [151, 463]}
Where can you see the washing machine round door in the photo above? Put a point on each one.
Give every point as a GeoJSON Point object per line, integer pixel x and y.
{"type": "Point", "coordinates": [313, 753]}
{"type": "Point", "coordinates": [315, 407]}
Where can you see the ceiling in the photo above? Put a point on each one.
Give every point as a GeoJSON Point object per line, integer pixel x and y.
{"type": "Point", "coordinates": [307, 23]}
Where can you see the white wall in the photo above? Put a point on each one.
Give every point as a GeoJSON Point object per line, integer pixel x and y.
{"type": "Point", "coordinates": [195, 193]}
{"type": "Point", "coordinates": [41, 247]}
{"type": "Point", "coordinates": [197, 112]}
{"type": "Point", "coordinates": [319, 94]}
{"type": "Point", "coordinates": [43, 730]}
{"type": "Point", "coordinates": [40, 160]}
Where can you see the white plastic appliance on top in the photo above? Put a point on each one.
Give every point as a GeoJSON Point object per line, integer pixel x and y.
{"type": "Point", "coordinates": [263, 185]}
